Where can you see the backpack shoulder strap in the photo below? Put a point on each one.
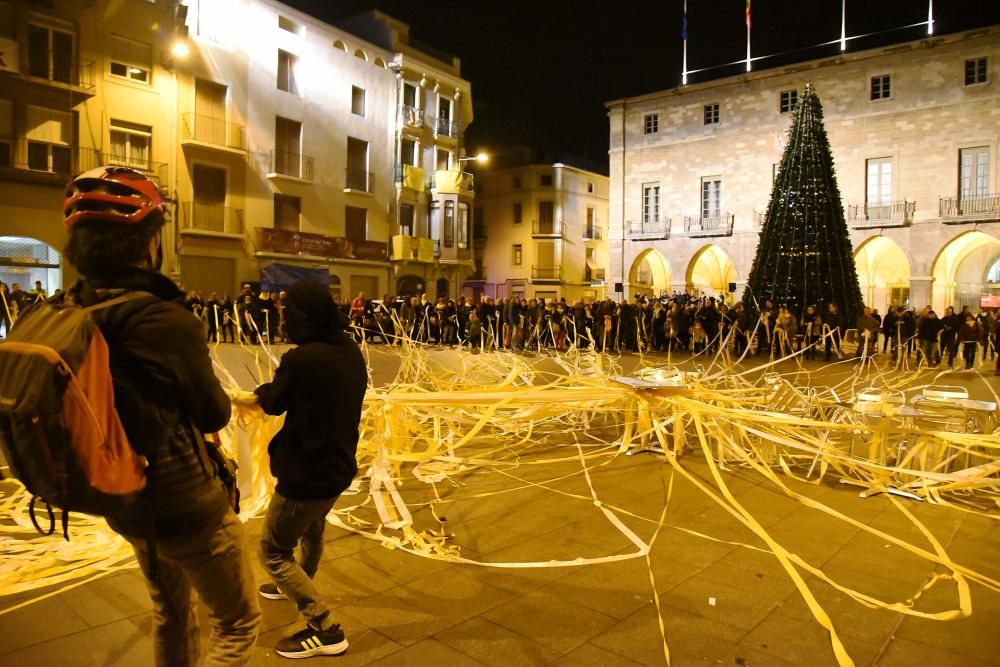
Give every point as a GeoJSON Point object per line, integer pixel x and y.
{"type": "Point", "coordinates": [124, 298]}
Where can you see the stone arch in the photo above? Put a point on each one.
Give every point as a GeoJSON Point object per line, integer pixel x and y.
{"type": "Point", "coordinates": [339, 44]}
{"type": "Point", "coordinates": [883, 273]}
{"type": "Point", "coordinates": [650, 273]}
{"type": "Point", "coordinates": [359, 53]}
{"type": "Point", "coordinates": [378, 62]}
{"type": "Point", "coordinates": [960, 268]}
{"type": "Point", "coordinates": [25, 260]}
{"type": "Point", "coordinates": [710, 271]}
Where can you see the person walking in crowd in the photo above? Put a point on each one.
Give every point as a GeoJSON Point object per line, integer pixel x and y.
{"type": "Point", "coordinates": [320, 385]}
{"type": "Point", "coordinates": [929, 333]}
{"type": "Point", "coordinates": [184, 532]}
{"type": "Point", "coordinates": [969, 335]}
{"type": "Point", "coordinates": [212, 317]}
{"type": "Point", "coordinates": [6, 311]}
{"type": "Point", "coordinates": [835, 328]}
{"type": "Point", "coordinates": [951, 323]}
{"type": "Point", "coordinates": [227, 316]}
{"type": "Point", "coordinates": [868, 328]}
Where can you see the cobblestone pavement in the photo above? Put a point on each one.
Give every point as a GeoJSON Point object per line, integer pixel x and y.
{"type": "Point", "coordinates": [721, 602]}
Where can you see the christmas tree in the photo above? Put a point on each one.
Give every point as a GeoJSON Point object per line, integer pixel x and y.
{"type": "Point", "coordinates": [804, 256]}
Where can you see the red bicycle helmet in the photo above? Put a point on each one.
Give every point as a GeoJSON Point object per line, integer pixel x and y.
{"type": "Point", "coordinates": [111, 194]}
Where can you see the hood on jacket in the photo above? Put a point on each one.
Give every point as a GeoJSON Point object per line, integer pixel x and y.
{"type": "Point", "coordinates": [311, 313]}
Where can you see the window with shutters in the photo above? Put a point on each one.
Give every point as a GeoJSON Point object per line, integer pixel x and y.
{"type": "Point", "coordinates": [650, 203]}
{"type": "Point", "coordinates": [515, 255]}
{"type": "Point", "coordinates": [49, 136]}
{"type": "Point", "coordinates": [287, 213]}
{"type": "Point", "coordinates": [131, 59]}
{"type": "Point", "coordinates": [356, 223]}
{"type": "Point", "coordinates": [711, 197]}
{"type": "Point", "coordinates": [878, 185]}
{"type": "Point", "coordinates": [131, 145]}
{"type": "Point", "coordinates": [287, 63]}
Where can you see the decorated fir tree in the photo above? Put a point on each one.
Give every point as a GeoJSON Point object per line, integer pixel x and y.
{"type": "Point", "coordinates": [804, 256]}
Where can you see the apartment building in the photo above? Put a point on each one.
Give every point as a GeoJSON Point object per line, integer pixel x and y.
{"type": "Point", "coordinates": [914, 130]}
{"type": "Point", "coordinates": [546, 231]}
{"type": "Point", "coordinates": [431, 249]}
{"type": "Point", "coordinates": [81, 85]}
{"type": "Point", "coordinates": [275, 137]}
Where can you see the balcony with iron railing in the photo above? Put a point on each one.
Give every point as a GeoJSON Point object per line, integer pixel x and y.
{"type": "Point", "coordinates": [973, 208]}
{"type": "Point", "coordinates": [358, 180]}
{"type": "Point", "coordinates": [546, 228]}
{"type": "Point", "coordinates": [443, 127]}
{"type": "Point", "coordinates": [592, 275]}
{"type": "Point", "coordinates": [551, 273]}
{"type": "Point", "coordinates": [592, 233]}
{"type": "Point", "coordinates": [648, 229]}
{"type": "Point", "coordinates": [44, 162]}
{"type": "Point", "coordinates": [759, 217]}
{"type": "Point", "coordinates": [215, 133]}
{"type": "Point", "coordinates": [452, 182]}
{"type": "Point", "coordinates": [290, 165]}
{"type": "Point", "coordinates": [882, 214]}
{"type": "Point", "coordinates": [437, 247]}
{"type": "Point", "coordinates": [59, 69]}
{"type": "Point", "coordinates": [154, 170]}
{"type": "Point", "coordinates": [721, 225]}
{"type": "Point", "coordinates": [198, 217]}
{"type": "Point", "coordinates": [412, 116]}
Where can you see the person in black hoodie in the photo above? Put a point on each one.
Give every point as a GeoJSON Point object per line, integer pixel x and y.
{"type": "Point", "coordinates": [184, 531]}
{"type": "Point", "coordinates": [321, 386]}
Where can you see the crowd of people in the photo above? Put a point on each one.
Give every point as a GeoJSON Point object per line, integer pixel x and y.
{"type": "Point", "coordinates": [678, 322]}
{"type": "Point", "coordinates": [13, 300]}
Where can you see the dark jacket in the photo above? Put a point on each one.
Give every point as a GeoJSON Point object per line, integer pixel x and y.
{"type": "Point", "coordinates": [321, 385]}
{"type": "Point", "coordinates": [929, 328]}
{"type": "Point", "coordinates": [166, 395]}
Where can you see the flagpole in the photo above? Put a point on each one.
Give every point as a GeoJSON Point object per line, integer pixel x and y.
{"type": "Point", "coordinates": [684, 67]}
{"type": "Point", "coordinates": [930, 17]}
{"type": "Point", "coordinates": [748, 35]}
{"type": "Point", "coordinates": [843, 25]}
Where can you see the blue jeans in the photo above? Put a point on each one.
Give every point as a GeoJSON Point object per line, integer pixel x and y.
{"type": "Point", "coordinates": [292, 523]}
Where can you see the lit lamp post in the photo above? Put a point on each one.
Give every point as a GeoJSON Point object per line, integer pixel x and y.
{"type": "Point", "coordinates": [479, 158]}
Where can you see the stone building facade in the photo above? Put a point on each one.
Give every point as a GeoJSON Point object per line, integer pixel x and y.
{"type": "Point", "coordinates": [546, 230]}
{"type": "Point", "coordinates": [915, 134]}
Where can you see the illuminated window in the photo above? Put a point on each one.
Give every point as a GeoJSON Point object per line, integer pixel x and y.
{"type": "Point", "coordinates": [650, 203]}
{"type": "Point", "coordinates": [711, 197]}
{"type": "Point", "coordinates": [974, 172]}
{"type": "Point", "coordinates": [975, 71]}
{"type": "Point", "coordinates": [515, 256]}
{"type": "Point", "coordinates": [357, 101]}
{"type": "Point", "coordinates": [651, 123]}
{"type": "Point", "coordinates": [286, 72]}
{"type": "Point", "coordinates": [788, 100]}
{"type": "Point", "coordinates": [878, 185]}
{"type": "Point", "coordinates": [711, 114]}
{"type": "Point", "coordinates": [880, 87]}
{"type": "Point", "coordinates": [131, 145]}
{"type": "Point", "coordinates": [130, 59]}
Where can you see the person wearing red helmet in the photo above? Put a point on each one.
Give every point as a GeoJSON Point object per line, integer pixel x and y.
{"type": "Point", "coordinates": [184, 531]}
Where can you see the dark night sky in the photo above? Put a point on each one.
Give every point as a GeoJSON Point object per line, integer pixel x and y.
{"type": "Point", "coordinates": [541, 70]}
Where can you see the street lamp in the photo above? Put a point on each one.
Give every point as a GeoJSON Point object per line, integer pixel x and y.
{"type": "Point", "coordinates": [179, 49]}
{"type": "Point", "coordinates": [481, 158]}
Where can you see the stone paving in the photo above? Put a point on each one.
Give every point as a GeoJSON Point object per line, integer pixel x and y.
{"type": "Point", "coordinates": [721, 603]}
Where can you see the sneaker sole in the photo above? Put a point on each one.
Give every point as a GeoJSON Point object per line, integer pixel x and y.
{"type": "Point", "coordinates": [332, 649]}
{"type": "Point", "coordinates": [273, 596]}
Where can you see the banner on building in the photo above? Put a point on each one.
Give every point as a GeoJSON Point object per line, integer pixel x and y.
{"type": "Point", "coordinates": [278, 277]}
{"type": "Point", "coordinates": [318, 245]}
{"type": "Point", "coordinates": [989, 300]}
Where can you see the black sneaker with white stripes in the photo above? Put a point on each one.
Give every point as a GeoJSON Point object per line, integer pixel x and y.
{"type": "Point", "coordinates": [311, 642]}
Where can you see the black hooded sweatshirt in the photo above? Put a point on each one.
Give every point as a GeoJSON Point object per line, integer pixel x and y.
{"type": "Point", "coordinates": [321, 385]}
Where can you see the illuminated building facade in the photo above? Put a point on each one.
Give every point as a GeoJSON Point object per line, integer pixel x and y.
{"type": "Point", "coordinates": [914, 131]}
{"type": "Point", "coordinates": [546, 229]}
{"type": "Point", "coordinates": [276, 138]}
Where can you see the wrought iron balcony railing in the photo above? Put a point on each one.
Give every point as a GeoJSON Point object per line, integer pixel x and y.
{"type": "Point", "coordinates": [43, 157]}
{"type": "Point", "coordinates": [648, 229]}
{"type": "Point", "coordinates": [546, 228]}
{"type": "Point", "coordinates": [884, 214]}
{"type": "Point", "coordinates": [290, 164]}
{"type": "Point", "coordinates": [721, 225]}
{"type": "Point", "coordinates": [211, 218]}
{"type": "Point", "coordinates": [593, 275]}
{"type": "Point", "coordinates": [213, 131]}
{"type": "Point", "coordinates": [956, 210]}
{"type": "Point", "coordinates": [551, 272]}
{"type": "Point", "coordinates": [413, 116]}
{"type": "Point", "coordinates": [592, 233]}
{"type": "Point", "coordinates": [157, 170]}
{"type": "Point", "coordinates": [443, 127]}
{"type": "Point", "coordinates": [359, 179]}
